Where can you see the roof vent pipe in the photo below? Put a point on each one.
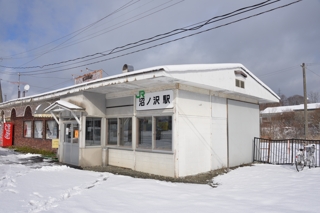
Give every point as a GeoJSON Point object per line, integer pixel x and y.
{"type": "Point", "coordinates": [127, 68]}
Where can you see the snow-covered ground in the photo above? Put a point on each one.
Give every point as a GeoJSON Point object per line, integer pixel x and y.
{"type": "Point", "coordinates": [44, 187]}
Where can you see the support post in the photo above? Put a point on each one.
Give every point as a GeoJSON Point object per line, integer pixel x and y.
{"type": "Point", "coordinates": [305, 101]}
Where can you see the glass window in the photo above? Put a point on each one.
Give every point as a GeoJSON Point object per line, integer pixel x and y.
{"type": "Point", "coordinates": [163, 136]}
{"type": "Point", "coordinates": [144, 133]}
{"type": "Point", "coordinates": [93, 131]}
{"type": "Point", "coordinates": [27, 129]}
{"type": "Point", "coordinates": [113, 131]}
{"type": "Point", "coordinates": [51, 130]}
{"type": "Point", "coordinates": [125, 131]}
{"type": "Point", "coordinates": [67, 136]}
{"type": "Point", "coordinates": [75, 135]}
{"type": "Point", "coordinates": [38, 129]}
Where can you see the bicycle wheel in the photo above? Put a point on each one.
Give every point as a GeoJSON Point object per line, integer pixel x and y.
{"type": "Point", "coordinates": [311, 162]}
{"type": "Point", "coordinates": [299, 163]}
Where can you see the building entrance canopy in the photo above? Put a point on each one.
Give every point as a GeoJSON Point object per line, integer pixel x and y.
{"type": "Point", "coordinates": [60, 106]}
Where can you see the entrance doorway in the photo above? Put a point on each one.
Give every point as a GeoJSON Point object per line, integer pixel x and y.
{"type": "Point", "coordinates": [71, 143]}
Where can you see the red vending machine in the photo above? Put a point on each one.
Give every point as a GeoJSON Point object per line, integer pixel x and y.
{"type": "Point", "coordinates": [1, 131]}
{"type": "Point", "coordinates": [7, 134]}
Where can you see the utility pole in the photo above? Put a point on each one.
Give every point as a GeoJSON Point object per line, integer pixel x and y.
{"type": "Point", "coordinates": [305, 101]}
{"type": "Point", "coordinates": [19, 86]}
{"type": "Point", "coordinates": [1, 97]}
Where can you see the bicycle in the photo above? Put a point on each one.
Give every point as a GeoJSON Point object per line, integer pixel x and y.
{"type": "Point", "coordinates": [301, 160]}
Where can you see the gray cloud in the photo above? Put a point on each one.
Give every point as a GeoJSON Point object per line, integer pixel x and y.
{"type": "Point", "coordinates": [265, 44]}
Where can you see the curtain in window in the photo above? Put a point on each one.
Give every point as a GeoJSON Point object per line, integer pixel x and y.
{"type": "Point", "coordinates": [27, 129]}
{"type": "Point", "coordinates": [51, 130]}
{"type": "Point", "coordinates": [38, 129]}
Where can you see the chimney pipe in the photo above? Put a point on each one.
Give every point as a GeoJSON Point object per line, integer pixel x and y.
{"type": "Point", "coordinates": [127, 68]}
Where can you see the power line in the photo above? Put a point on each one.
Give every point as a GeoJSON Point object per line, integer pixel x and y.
{"type": "Point", "coordinates": [229, 23]}
{"type": "Point", "coordinates": [312, 72]}
{"type": "Point", "coordinates": [51, 87]}
{"type": "Point", "coordinates": [162, 36]}
{"type": "Point", "coordinates": [48, 77]}
{"type": "Point", "coordinates": [312, 64]}
{"type": "Point", "coordinates": [110, 29]}
{"type": "Point", "coordinates": [279, 71]}
{"type": "Point", "coordinates": [54, 49]}
{"type": "Point", "coordinates": [77, 31]}
{"type": "Point", "coordinates": [85, 38]}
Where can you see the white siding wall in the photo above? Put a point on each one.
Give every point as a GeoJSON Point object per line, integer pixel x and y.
{"type": "Point", "coordinates": [119, 106]}
{"type": "Point", "coordinates": [94, 103]}
{"type": "Point", "coordinates": [155, 163]}
{"type": "Point", "coordinates": [121, 158]}
{"type": "Point", "coordinates": [90, 156]}
{"type": "Point", "coordinates": [219, 133]}
{"type": "Point", "coordinates": [194, 133]}
{"type": "Point", "coordinates": [243, 126]}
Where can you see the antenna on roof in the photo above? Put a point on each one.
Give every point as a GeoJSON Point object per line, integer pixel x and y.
{"type": "Point", "coordinates": [26, 88]}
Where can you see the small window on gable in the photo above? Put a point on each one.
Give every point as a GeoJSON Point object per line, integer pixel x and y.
{"type": "Point", "coordinates": [239, 83]}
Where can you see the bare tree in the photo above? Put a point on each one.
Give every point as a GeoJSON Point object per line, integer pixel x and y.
{"type": "Point", "coordinates": [313, 97]}
{"type": "Point", "coordinates": [283, 100]}
{"type": "Point", "coordinates": [295, 100]}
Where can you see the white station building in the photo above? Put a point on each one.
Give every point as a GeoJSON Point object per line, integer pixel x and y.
{"type": "Point", "coordinates": [173, 121]}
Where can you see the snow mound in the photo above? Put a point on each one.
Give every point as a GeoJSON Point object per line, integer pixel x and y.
{"type": "Point", "coordinates": [28, 155]}
{"type": "Point", "coordinates": [53, 168]}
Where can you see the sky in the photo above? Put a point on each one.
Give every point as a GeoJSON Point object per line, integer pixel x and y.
{"type": "Point", "coordinates": [36, 34]}
{"type": "Point", "coordinates": [58, 188]}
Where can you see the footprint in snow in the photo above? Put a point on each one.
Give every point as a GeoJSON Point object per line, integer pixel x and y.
{"type": "Point", "coordinates": [96, 182]}
{"type": "Point", "coordinates": [66, 195]}
{"type": "Point", "coordinates": [11, 190]}
{"type": "Point", "coordinates": [33, 202]}
{"type": "Point", "coordinates": [37, 194]}
{"type": "Point", "coordinates": [8, 185]}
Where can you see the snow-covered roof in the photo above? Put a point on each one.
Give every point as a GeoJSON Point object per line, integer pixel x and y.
{"type": "Point", "coordinates": [280, 109]}
{"type": "Point", "coordinates": [216, 77]}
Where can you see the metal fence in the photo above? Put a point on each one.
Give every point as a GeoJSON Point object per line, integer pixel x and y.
{"type": "Point", "coordinates": [281, 151]}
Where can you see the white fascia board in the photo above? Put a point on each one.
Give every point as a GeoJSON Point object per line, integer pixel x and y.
{"type": "Point", "coordinates": [172, 71]}
{"type": "Point", "coordinates": [116, 79]}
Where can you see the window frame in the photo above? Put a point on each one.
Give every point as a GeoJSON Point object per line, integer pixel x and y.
{"type": "Point", "coordinates": [118, 145]}
{"type": "Point", "coordinates": [35, 136]}
{"type": "Point", "coordinates": [46, 130]}
{"type": "Point", "coordinates": [135, 146]}
{"type": "Point", "coordinates": [154, 134]}
{"type": "Point", "coordinates": [87, 141]}
{"type": "Point", "coordinates": [138, 133]}
{"type": "Point", "coordinates": [117, 132]}
{"type": "Point", "coordinates": [240, 83]}
{"type": "Point", "coordinates": [26, 130]}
